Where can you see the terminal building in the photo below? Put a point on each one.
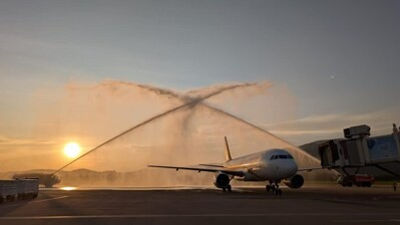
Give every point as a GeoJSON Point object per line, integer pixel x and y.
{"type": "Point", "coordinates": [358, 157]}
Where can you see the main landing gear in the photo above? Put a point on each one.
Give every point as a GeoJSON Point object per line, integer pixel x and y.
{"type": "Point", "coordinates": [274, 187]}
{"type": "Point", "coordinates": [227, 188]}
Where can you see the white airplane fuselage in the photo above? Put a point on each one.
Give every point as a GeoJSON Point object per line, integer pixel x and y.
{"type": "Point", "coordinates": [271, 165]}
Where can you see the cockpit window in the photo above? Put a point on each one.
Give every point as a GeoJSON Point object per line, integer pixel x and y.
{"type": "Point", "coordinates": [287, 156]}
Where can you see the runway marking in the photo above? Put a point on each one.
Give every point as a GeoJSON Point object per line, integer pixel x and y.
{"type": "Point", "coordinates": [50, 199]}
{"type": "Point", "coordinates": [35, 201]}
{"type": "Point", "coordinates": [199, 215]}
{"type": "Point", "coordinates": [366, 221]}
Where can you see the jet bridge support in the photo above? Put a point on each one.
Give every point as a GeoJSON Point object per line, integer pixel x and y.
{"type": "Point", "coordinates": [393, 173]}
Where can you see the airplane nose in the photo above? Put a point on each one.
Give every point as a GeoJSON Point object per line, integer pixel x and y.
{"type": "Point", "coordinates": [294, 167]}
{"type": "Point", "coordinates": [289, 169]}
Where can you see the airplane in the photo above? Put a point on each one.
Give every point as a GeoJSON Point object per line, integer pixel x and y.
{"type": "Point", "coordinates": [273, 165]}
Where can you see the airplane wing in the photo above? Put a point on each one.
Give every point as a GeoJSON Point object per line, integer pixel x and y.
{"type": "Point", "coordinates": [210, 168]}
{"type": "Point", "coordinates": [212, 164]}
{"type": "Point", "coordinates": [309, 169]}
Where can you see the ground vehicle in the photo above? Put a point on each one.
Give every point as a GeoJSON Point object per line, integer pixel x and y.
{"type": "Point", "coordinates": [26, 188]}
{"type": "Point", "coordinates": [48, 180]}
{"type": "Point", "coordinates": [360, 180]}
{"type": "Point", "coordinates": [8, 190]}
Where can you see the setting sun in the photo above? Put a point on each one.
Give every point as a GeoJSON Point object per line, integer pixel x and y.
{"type": "Point", "coordinates": [72, 149]}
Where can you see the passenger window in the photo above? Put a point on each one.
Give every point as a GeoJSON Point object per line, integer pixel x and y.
{"type": "Point", "coordinates": [273, 157]}
{"type": "Point", "coordinates": [290, 156]}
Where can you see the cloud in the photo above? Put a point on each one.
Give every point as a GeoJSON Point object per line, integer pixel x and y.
{"type": "Point", "coordinates": [8, 141]}
{"type": "Point", "coordinates": [304, 132]}
{"type": "Point", "coordinates": [326, 126]}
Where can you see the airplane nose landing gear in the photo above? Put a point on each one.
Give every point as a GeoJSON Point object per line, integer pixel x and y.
{"type": "Point", "coordinates": [274, 187]}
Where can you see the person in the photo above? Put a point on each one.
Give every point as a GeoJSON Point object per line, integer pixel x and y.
{"type": "Point", "coordinates": [399, 133]}
{"type": "Point", "coordinates": [395, 186]}
{"type": "Point", "coordinates": [396, 131]}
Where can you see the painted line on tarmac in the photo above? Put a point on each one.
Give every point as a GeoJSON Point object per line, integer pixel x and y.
{"type": "Point", "coordinates": [193, 215]}
{"type": "Point", "coordinates": [34, 201]}
{"type": "Point", "coordinates": [367, 221]}
{"type": "Point", "coordinates": [50, 199]}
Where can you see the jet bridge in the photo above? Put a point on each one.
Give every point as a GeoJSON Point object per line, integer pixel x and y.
{"type": "Point", "coordinates": [358, 153]}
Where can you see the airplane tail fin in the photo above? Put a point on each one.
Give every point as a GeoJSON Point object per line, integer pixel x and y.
{"type": "Point", "coordinates": [227, 150]}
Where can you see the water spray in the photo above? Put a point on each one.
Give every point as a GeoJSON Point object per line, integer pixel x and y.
{"type": "Point", "coordinates": [190, 102]}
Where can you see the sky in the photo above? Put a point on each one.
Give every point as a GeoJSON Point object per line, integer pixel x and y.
{"type": "Point", "coordinates": [338, 59]}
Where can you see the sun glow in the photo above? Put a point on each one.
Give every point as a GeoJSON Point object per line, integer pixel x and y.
{"type": "Point", "coordinates": [68, 188]}
{"type": "Point", "coordinates": [72, 149]}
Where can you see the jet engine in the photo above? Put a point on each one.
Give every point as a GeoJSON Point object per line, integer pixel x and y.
{"type": "Point", "coordinates": [295, 182]}
{"type": "Point", "coordinates": [222, 180]}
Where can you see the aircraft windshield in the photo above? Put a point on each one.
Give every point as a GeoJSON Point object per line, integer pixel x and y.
{"type": "Point", "coordinates": [287, 156]}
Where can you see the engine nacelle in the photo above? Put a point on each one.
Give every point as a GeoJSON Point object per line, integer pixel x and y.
{"type": "Point", "coordinates": [295, 182]}
{"type": "Point", "coordinates": [222, 180]}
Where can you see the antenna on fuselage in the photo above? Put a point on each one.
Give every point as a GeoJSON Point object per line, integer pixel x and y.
{"type": "Point", "coordinates": [227, 150]}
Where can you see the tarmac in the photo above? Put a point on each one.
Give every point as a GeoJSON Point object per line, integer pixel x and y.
{"type": "Point", "coordinates": [309, 205]}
